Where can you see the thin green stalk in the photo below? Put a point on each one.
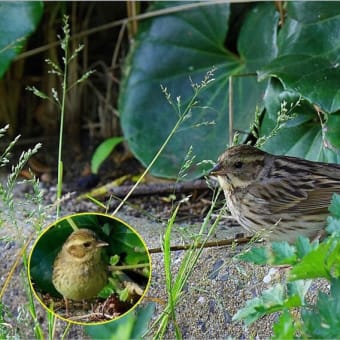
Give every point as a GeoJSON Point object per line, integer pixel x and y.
{"type": "Point", "coordinates": [130, 266]}
{"type": "Point", "coordinates": [194, 253]}
{"type": "Point", "coordinates": [179, 121]}
{"type": "Point", "coordinates": [54, 98]}
{"type": "Point", "coordinates": [67, 329]}
{"type": "Point", "coordinates": [52, 320]}
{"type": "Point", "coordinates": [72, 224]}
{"type": "Point", "coordinates": [37, 328]}
{"type": "Point", "coordinates": [182, 116]}
{"type": "Point", "coordinates": [175, 287]}
{"type": "Point", "coordinates": [167, 269]}
{"type": "Point", "coordinates": [64, 46]}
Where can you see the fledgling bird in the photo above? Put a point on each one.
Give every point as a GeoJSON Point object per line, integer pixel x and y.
{"type": "Point", "coordinates": [279, 196]}
{"type": "Point", "coordinates": [79, 273]}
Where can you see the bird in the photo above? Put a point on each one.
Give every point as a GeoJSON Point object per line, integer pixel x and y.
{"type": "Point", "coordinates": [79, 272]}
{"type": "Point", "coordinates": [277, 197]}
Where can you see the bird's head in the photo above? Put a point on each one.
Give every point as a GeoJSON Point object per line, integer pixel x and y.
{"type": "Point", "coordinates": [238, 166]}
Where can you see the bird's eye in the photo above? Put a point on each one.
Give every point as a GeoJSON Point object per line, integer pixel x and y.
{"type": "Point", "coordinates": [87, 244]}
{"type": "Point", "coordinates": [238, 165]}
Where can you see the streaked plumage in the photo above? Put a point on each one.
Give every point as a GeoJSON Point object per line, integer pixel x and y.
{"type": "Point", "coordinates": [283, 196]}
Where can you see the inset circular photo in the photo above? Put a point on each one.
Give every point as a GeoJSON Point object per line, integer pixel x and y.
{"type": "Point", "coordinates": [89, 268]}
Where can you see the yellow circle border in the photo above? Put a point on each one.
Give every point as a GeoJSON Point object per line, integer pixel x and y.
{"type": "Point", "coordinates": [53, 224]}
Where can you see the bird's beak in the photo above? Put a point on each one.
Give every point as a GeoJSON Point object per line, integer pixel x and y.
{"type": "Point", "coordinates": [216, 170]}
{"type": "Point", "coordinates": [101, 244]}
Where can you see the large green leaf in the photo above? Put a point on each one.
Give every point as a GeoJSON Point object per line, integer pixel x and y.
{"type": "Point", "coordinates": [171, 48]}
{"type": "Point", "coordinates": [302, 136]}
{"type": "Point", "coordinates": [313, 11]}
{"type": "Point", "coordinates": [332, 130]}
{"type": "Point", "coordinates": [315, 78]}
{"type": "Point", "coordinates": [309, 53]}
{"type": "Point", "coordinates": [322, 321]}
{"type": "Point", "coordinates": [132, 325]}
{"type": "Point", "coordinates": [17, 20]}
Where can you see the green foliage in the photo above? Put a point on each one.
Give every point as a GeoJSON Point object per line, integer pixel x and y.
{"type": "Point", "coordinates": [60, 99]}
{"type": "Point", "coordinates": [323, 321]}
{"type": "Point", "coordinates": [103, 151]}
{"type": "Point", "coordinates": [11, 210]}
{"type": "Point", "coordinates": [280, 252]}
{"type": "Point", "coordinates": [309, 261]}
{"type": "Point", "coordinates": [309, 70]}
{"type": "Point", "coordinates": [322, 261]}
{"type": "Point", "coordinates": [132, 325]}
{"type": "Point", "coordinates": [6, 189]}
{"type": "Point", "coordinates": [17, 21]}
{"type": "Point", "coordinates": [122, 242]}
{"type": "Point", "coordinates": [284, 328]}
{"type": "Point", "coordinates": [175, 284]}
{"type": "Point", "coordinates": [170, 50]}
{"type": "Point", "coordinates": [181, 44]}
{"type": "Point", "coordinates": [183, 114]}
{"type": "Point", "coordinates": [274, 299]}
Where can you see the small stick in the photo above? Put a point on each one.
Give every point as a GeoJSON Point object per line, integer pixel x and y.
{"type": "Point", "coordinates": [206, 244]}
{"type": "Point", "coordinates": [159, 188]}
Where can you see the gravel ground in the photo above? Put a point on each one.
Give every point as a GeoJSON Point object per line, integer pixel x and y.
{"type": "Point", "coordinates": [218, 287]}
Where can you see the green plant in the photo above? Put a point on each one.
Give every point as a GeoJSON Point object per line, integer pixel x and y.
{"type": "Point", "coordinates": [103, 151]}
{"type": "Point", "coordinates": [309, 261]}
{"type": "Point", "coordinates": [60, 101]}
{"type": "Point", "coordinates": [9, 217]}
{"type": "Point", "coordinates": [37, 215]}
{"type": "Point", "coordinates": [131, 326]}
{"type": "Point", "coordinates": [183, 112]}
{"type": "Point", "coordinates": [242, 41]}
{"type": "Point", "coordinates": [124, 244]}
{"type": "Point", "coordinates": [176, 283]}
{"type": "Point", "coordinates": [17, 21]}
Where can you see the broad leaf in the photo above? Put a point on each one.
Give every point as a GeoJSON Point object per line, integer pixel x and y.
{"type": "Point", "coordinates": [332, 130]}
{"type": "Point", "coordinates": [314, 77]}
{"type": "Point", "coordinates": [279, 253]}
{"type": "Point", "coordinates": [257, 255]}
{"type": "Point", "coordinates": [302, 136]}
{"type": "Point", "coordinates": [309, 53]}
{"type": "Point", "coordinates": [171, 48]}
{"type": "Point", "coordinates": [272, 300]}
{"type": "Point", "coordinates": [323, 321]}
{"type": "Point", "coordinates": [284, 328]}
{"type": "Point", "coordinates": [334, 208]}
{"type": "Point", "coordinates": [314, 264]}
{"type": "Point", "coordinates": [132, 325]}
{"type": "Point", "coordinates": [283, 253]}
{"type": "Point", "coordinates": [103, 151]}
{"type": "Point", "coordinates": [304, 246]}
{"type": "Point", "coordinates": [17, 21]}
{"type": "Point", "coordinates": [333, 221]}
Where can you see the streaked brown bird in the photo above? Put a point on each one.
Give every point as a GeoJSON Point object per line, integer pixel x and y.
{"type": "Point", "coordinates": [79, 273]}
{"type": "Point", "coordinates": [279, 197]}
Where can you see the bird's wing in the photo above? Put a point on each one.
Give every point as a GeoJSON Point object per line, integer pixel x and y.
{"type": "Point", "coordinates": [308, 194]}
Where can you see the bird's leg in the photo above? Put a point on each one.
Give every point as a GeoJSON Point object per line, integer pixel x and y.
{"type": "Point", "coordinates": [66, 306]}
